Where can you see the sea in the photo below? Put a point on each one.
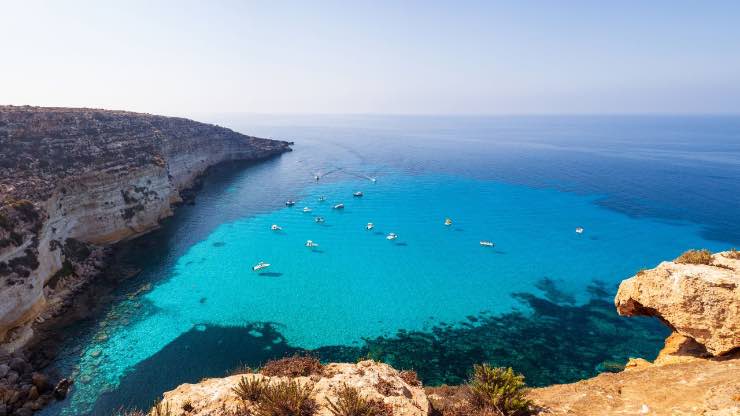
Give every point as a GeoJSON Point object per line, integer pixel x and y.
{"type": "Point", "coordinates": [642, 189]}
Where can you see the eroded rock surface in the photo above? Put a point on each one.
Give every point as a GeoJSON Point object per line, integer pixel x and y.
{"type": "Point", "coordinates": [374, 380]}
{"type": "Point", "coordinates": [698, 301]}
{"type": "Point", "coordinates": [699, 387]}
{"type": "Point", "coordinates": [75, 180]}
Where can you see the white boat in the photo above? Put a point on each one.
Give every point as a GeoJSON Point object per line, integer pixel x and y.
{"type": "Point", "coordinates": [373, 179]}
{"type": "Point", "coordinates": [289, 203]}
{"type": "Point", "coordinates": [391, 236]}
{"type": "Point", "coordinates": [448, 221]}
{"type": "Point", "coordinates": [485, 243]}
{"type": "Point", "coordinates": [310, 243]}
{"type": "Point", "coordinates": [275, 227]}
{"type": "Point", "coordinates": [261, 265]}
{"type": "Point", "coordinates": [579, 230]}
{"type": "Point", "coordinates": [339, 206]}
{"type": "Point", "coordinates": [357, 194]}
{"type": "Point", "coordinates": [322, 198]}
{"type": "Point", "coordinates": [306, 209]}
{"type": "Point", "coordinates": [319, 219]}
{"type": "Point", "coordinates": [369, 226]}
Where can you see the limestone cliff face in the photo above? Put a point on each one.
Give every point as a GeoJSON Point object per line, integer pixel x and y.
{"type": "Point", "coordinates": [74, 180]}
{"type": "Point", "coordinates": [698, 301]}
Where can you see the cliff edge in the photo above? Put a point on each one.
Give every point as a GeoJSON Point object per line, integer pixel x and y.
{"type": "Point", "coordinates": [75, 180]}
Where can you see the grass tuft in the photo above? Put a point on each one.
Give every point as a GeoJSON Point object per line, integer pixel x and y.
{"type": "Point", "coordinates": [733, 254]}
{"type": "Point", "coordinates": [702, 256]}
{"type": "Point", "coordinates": [250, 389]}
{"type": "Point", "coordinates": [287, 398]}
{"type": "Point", "coordinates": [351, 403]}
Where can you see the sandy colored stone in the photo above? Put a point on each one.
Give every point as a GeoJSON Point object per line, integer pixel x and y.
{"type": "Point", "coordinates": [700, 387]}
{"type": "Point", "coordinates": [214, 396]}
{"type": "Point", "coordinates": [698, 301]}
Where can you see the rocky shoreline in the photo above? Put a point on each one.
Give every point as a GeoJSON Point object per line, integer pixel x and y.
{"type": "Point", "coordinates": [73, 183]}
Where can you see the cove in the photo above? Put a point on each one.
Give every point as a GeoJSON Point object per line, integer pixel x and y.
{"type": "Point", "coordinates": [357, 290]}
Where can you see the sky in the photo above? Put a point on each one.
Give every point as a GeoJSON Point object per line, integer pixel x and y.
{"type": "Point", "coordinates": [387, 57]}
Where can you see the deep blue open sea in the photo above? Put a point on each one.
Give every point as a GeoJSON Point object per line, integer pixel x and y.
{"type": "Point", "coordinates": [643, 188]}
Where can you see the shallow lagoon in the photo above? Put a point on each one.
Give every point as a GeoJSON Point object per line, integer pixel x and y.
{"type": "Point", "coordinates": [539, 301]}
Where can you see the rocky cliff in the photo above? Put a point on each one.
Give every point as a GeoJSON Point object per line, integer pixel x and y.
{"type": "Point", "coordinates": [75, 180]}
{"type": "Point", "coordinates": [699, 301]}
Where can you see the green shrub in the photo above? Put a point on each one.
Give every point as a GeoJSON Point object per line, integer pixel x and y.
{"type": "Point", "coordinates": [702, 256]}
{"type": "Point", "coordinates": [250, 389]}
{"type": "Point", "coordinates": [351, 403]}
{"type": "Point", "coordinates": [288, 398]}
{"type": "Point", "coordinates": [499, 389]}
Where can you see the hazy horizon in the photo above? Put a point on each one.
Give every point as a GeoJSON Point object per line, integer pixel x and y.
{"type": "Point", "coordinates": [367, 58]}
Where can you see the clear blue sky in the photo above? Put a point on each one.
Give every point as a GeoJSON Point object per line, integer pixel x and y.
{"type": "Point", "coordinates": [184, 57]}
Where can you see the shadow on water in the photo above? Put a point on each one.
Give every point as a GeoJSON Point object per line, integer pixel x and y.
{"type": "Point", "coordinates": [549, 339]}
{"type": "Point", "coordinates": [271, 274]}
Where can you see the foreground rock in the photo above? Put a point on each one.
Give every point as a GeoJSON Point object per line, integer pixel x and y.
{"type": "Point", "coordinates": [75, 180]}
{"type": "Point", "coordinates": [698, 301]}
{"type": "Point", "coordinates": [699, 387]}
{"type": "Point", "coordinates": [374, 381]}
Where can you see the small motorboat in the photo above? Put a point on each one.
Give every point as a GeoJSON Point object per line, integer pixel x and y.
{"type": "Point", "coordinates": [373, 180]}
{"type": "Point", "coordinates": [357, 194]}
{"type": "Point", "coordinates": [311, 244]}
{"type": "Point", "coordinates": [338, 206]}
{"type": "Point", "coordinates": [369, 226]}
{"type": "Point", "coordinates": [319, 219]}
{"type": "Point", "coordinates": [486, 243]}
{"type": "Point", "coordinates": [579, 230]}
{"type": "Point", "coordinates": [261, 265]}
{"type": "Point", "coordinates": [289, 203]}
{"type": "Point", "coordinates": [275, 227]}
{"type": "Point", "coordinates": [322, 198]}
{"type": "Point", "coordinates": [306, 209]}
{"type": "Point", "coordinates": [317, 177]}
{"type": "Point", "coordinates": [448, 221]}
{"type": "Point", "coordinates": [391, 236]}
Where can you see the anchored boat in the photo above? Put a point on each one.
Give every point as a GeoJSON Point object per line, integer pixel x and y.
{"type": "Point", "coordinates": [357, 194]}
{"type": "Point", "coordinates": [275, 227]}
{"type": "Point", "coordinates": [289, 203]}
{"type": "Point", "coordinates": [579, 230]}
{"type": "Point", "coordinates": [369, 226]}
{"type": "Point", "coordinates": [310, 244]}
{"type": "Point", "coordinates": [448, 221]}
{"type": "Point", "coordinates": [338, 206]}
{"type": "Point", "coordinates": [391, 236]}
{"type": "Point", "coordinates": [259, 266]}
{"type": "Point", "coordinates": [319, 219]}
{"type": "Point", "coordinates": [306, 209]}
{"type": "Point", "coordinates": [485, 243]}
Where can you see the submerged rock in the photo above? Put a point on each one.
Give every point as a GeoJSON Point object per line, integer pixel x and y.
{"type": "Point", "coordinates": [698, 301]}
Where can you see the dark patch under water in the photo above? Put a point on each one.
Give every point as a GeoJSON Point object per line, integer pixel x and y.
{"type": "Point", "coordinates": [548, 341]}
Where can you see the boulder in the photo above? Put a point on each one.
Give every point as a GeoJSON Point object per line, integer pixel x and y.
{"type": "Point", "coordinates": [374, 381]}
{"type": "Point", "coordinates": [697, 301]}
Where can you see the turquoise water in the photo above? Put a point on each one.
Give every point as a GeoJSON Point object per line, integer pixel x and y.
{"type": "Point", "coordinates": [203, 310]}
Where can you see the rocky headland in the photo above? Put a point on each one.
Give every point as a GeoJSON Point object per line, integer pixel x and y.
{"type": "Point", "coordinates": [696, 373]}
{"type": "Point", "coordinates": [72, 183]}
